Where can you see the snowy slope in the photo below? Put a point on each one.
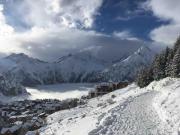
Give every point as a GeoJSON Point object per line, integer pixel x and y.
{"type": "Point", "coordinates": [127, 69]}
{"type": "Point", "coordinates": [167, 102]}
{"type": "Point", "coordinates": [78, 67]}
{"type": "Point", "coordinates": [27, 70]}
{"type": "Point", "coordinates": [10, 86]}
{"type": "Point", "coordinates": [130, 112]}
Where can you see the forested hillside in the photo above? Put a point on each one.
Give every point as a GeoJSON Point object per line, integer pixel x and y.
{"type": "Point", "coordinates": [165, 64]}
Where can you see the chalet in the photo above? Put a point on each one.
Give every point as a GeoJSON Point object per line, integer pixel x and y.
{"type": "Point", "coordinates": [4, 113]}
{"type": "Point", "coordinates": [105, 88]}
{"type": "Point", "coordinates": [121, 85]}
{"type": "Point", "coordinates": [29, 115]}
{"type": "Point", "coordinates": [42, 115]}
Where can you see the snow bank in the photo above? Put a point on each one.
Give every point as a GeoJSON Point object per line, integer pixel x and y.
{"type": "Point", "coordinates": [167, 102]}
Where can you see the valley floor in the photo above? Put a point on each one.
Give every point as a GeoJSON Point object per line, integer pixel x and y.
{"type": "Point", "coordinates": [129, 111]}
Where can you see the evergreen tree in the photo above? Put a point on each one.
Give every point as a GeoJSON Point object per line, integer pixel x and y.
{"type": "Point", "coordinates": [159, 66]}
{"type": "Point", "coordinates": [168, 68]}
{"type": "Point", "coordinates": [165, 64]}
{"type": "Point", "coordinates": [177, 45]}
{"type": "Point", "coordinates": [144, 77]}
{"type": "Point", "coordinates": [176, 64]}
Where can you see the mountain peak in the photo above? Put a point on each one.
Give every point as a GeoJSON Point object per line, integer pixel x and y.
{"type": "Point", "coordinates": [17, 55]}
{"type": "Point", "coordinates": [143, 50]}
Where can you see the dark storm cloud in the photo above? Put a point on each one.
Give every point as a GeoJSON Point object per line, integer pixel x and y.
{"type": "Point", "coordinates": [53, 47]}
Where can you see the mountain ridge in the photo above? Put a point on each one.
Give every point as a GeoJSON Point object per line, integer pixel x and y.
{"type": "Point", "coordinates": [83, 66]}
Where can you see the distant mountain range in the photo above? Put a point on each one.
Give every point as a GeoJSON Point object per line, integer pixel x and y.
{"type": "Point", "coordinates": [95, 64]}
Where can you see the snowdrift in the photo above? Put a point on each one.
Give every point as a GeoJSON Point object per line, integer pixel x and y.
{"type": "Point", "coordinates": [167, 102]}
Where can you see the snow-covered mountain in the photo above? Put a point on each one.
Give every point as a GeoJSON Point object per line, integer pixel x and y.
{"type": "Point", "coordinates": [88, 65]}
{"type": "Point", "coordinates": [10, 86]}
{"type": "Point", "coordinates": [80, 67]}
{"type": "Point", "coordinates": [105, 64]}
{"type": "Point", "coordinates": [128, 68]}
{"type": "Point", "coordinates": [27, 70]}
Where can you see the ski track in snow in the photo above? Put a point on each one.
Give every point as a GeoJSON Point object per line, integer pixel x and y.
{"type": "Point", "coordinates": [134, 117]}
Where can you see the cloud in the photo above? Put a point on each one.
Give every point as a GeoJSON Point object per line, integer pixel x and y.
{"type": "Point", "coordinates": [124, 35]}
{"type": "Point", "coordinates": [6, 34]}
{"type": "Point", "coordinates": [53, 28]}
{"type": "Point", "coordinates": [166, 34]}
{"type": "Point", "coordinates": [49, 25]}
{"type": "Point", "coordinates": [167, 10]}
{"type": "Point", "coordinates": [46, 13]}
{"type": "Point", "coordinates": [4, 28]}
{"type": "Point", "coordinates": [49, 44]}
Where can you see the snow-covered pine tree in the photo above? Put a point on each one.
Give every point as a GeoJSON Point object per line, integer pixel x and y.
{"type": "Point", "coordinates": [165, 64]}
{"type": "Point", "coordinates": [176, 64]}
{"type": "Point", "coordinates": [177, 45]}
{"type": "Point", "coordinates": [159, 65]}
{"type": "Point", "coordinates": [168, 68]}
{"type": "Point", "coordinates": [144, 77]}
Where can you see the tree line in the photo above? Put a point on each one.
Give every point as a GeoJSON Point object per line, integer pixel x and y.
{"type": "Point", "coordinates": [165, 64]}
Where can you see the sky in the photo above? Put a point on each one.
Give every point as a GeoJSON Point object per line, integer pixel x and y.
{"type": "Point", "coordinates": [48, 29]}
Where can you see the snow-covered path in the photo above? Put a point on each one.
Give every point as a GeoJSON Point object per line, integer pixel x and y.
{"type": "Point", "coordinates": [136, 116]}
{"type": "Point", "coordinates": [130, 112]}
